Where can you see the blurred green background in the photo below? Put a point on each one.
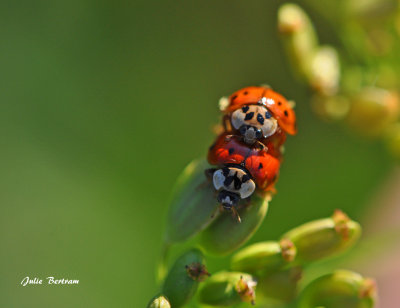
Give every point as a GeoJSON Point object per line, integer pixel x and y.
{"type": "Point", "coordinates": [103, 103]}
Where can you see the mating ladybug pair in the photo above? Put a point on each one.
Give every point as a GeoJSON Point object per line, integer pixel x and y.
{"type": "Point", "coordinates": [247, 155]}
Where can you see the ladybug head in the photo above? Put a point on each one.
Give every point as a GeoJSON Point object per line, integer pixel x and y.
{"type": "Point", "coordinates": [254, 122]}
{"type": "Point", "coordinates": [228, 199]}
{"type": "Point", "coordinates": [233, 184]}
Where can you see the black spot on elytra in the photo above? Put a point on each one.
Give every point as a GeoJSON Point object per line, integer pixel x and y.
{"type": "Point", "coordinates": [279, 103]}
{"type": "Point", "coordinates": [260, 119]}
{"type": "Point", "coordinates": [231, 151]}
{"type": "Point", "coordinates": [286, 113]}
{"type": "Point", "coordinates": [268, 115]}
{"type": "Point", "coordinates": [260, 166]}
{"type": "Point", "coordinates": [245, 92]}
{"type": "Point", "coordinates": [234, 97]}
{"type": "Point", "coordinates": [249, 116]}
{"type": "Point", "coordinates": [245, 109]}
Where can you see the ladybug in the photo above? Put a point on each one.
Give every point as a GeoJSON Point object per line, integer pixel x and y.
{"type": "Point", "coordinates": [258, 114]}
{"type": "Point", "coordinates": [241, 170]}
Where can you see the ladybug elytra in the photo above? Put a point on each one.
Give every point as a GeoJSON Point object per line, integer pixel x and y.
{"type": "Point", "coordinates": [256, 113]}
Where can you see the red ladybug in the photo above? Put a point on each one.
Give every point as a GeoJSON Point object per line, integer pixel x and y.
{"type": "Point", "coordinates": [241, 169]}
{"type": "Point", "coordinates": [259, 114]}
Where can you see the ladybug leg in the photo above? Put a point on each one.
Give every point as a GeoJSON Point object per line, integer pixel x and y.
{"type": "Point", "coordinates": [230, 137]}
{"type": "Point", "coordinates": [220, 210]}
{"type": "Point", "coordinates": [247, 201]}
{"type": "Point", "coordinates": [262, 146]}
{"type": "Point", "coordinates": [235, 214]}
{"type": "Point", "coordinates": [216, 196]}
{"type": "Point", "coordinates": [203, 185]}
{"type": "Point", "coordinates": [226, 122]}
{"type": "Point", "coordinates": [209, 173]}
{"type": "Point", "coordinates": [218, 129]}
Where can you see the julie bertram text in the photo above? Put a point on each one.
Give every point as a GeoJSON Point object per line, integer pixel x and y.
{"type": "Point", "coordinates": [49, 280]}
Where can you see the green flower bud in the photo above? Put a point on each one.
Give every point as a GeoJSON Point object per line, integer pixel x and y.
{"type": "Point", "coordinates": [193, 205]}
{"type": "Point", "coordinates": [324, 237]}
{"type": "Point", "coordinates": [225, 234]}
{"type": "Point", "coordinates": [339, 289]}
{"type": "Point", "coordinates": [159, 301]}
{"type": "Point", "coordinates": [227, 289]}
{"type": "Point", "coordinates": [325, 70]}
{"type": "Point", "coordinates": [263, 257]}
{"type": "Point", "coordinates": [371, 11]}
{"type": "Point", "coordinates": [183, 278]}
{"type": "Point", "coordinates": [373, 110]}
{"type": "Point", "coordinates": [281, 285]}
{"type": "Point", "coordinates": [299, 38]}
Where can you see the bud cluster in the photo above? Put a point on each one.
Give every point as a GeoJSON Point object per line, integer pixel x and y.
{"type": "Point", "coordinates": [364, 95]}
{"type": "Point", "coordinates": [269, 273]}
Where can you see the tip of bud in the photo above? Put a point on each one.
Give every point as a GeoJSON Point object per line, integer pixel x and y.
{"type": "Point", "coordinates": [291, 19]}
{"type": "Point", "coordinates": [341, 223]}
{"type": "Point", "coordinates": [159, 301]}
{"type": "Point", "coordinates": [246, 290]}
{"type": "Point", "coordinates": [197, 271]}
{"type": "Point", "coordinates": [368, 289]}
{"type": "Point", "coordinates": [288, 250]}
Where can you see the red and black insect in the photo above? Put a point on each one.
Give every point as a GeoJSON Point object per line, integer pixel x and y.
{"type": "Point", "coordinates": [259, 116]}
{"type": "Point", "coordinates": [248, 154]}
{"type": "Point", "coordinates": [240, 170]}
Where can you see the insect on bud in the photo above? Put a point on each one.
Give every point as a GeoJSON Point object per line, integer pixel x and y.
{"type": "Point", "coordinates": [263, 257]}
{"type": "Point", "coordinates": [324, 237]}
{"type": "Point", "coordinates": [227, 289]}
{"type": "Point", "coordinates": [225, 234]}
{"type": "Point", "coordinates": [183, 278]}
{"type": "Point", "coordinates": [339, 289]}
{"type": "Point", "coordinates": [159, 301]}
{"type": "Point", "coordinates": [193, 205]}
